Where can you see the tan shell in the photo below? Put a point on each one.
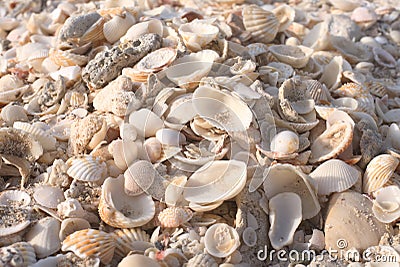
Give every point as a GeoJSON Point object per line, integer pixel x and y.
{"type": "Point", "coordinates": [87, 168]}
{"type": "Point", "coordinates": [133, 239]}
{"type": "Point", "coordinates": [18, 254]}
{"type": "Point", "coordinates": [23, 144]}
{"type": "Point", "coordinates": [91, 243]}
{"type": "Point", "coordinates": [117, 27]}
{"type": "Point", "coordinates": [13, 113]}
{"type": "Point", "coordinates": [121, 210]}
{"type": "Point", "coordinates": [386, 206]}
{"type": "Point", "coordinates": [15, 198]}
{"type": "Point", "coordinates": [174, 216]}
{"type": "Point", "coordinates": [66, 59]}
{"type": "Point", "coordinates": [138, 260]}
{"type": "Point", "coordinates": [202, 259]}
{"type": "Point", "coordinates": [349, 218]}
{"type": "Point", "coordinates": [345, 5]}
{"type": "Point", "coordinates": [150, 26]}
{"type": "Point", "coordinates": [48, 196]}
{"type": "Point", "coordinates": [285, 216]}
{"type": "Point", "coordinates": [197, 34]}
{"type": "Point", "coordinates": [221, 240]}
{"type": "Point", "coordinates": [378, 172]}
{"type": "Point", "coordinates": [263, 25]}
{"type": "Point", "coordinates": [72, 225]}
{"type": "Point", "coordinates": [295, 56]}
{"type": "Point", "coordinates": [285, 15]}
{"type": "Point", "coordinates": [318, 37]}
{"type": "Point", "coordinates": [285, 142]}
{"type": "Point", "coordinates": [334, 176]}
{"type": "Point", "coordinates": [47, 141]}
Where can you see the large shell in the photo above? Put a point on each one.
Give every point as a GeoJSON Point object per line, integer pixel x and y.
{"type": "Point", "coordinates": [379, 170]}
{"type": "Point", "coordinates": [263, 25]}
{"type": "Point", "coordinates": [48, 196]}
{"type": "Point", "coordinates": [285, 215]}
{"type": "Point", "coordinates": [18, 143]}
{"type": "Point", "coordinates": [174, 216]}
{"type": "Point", "coordinates": [349, 218]}
{"type": "Point", "coordinates": [138, 260]}
{"type": "Point", "coordinates": [282, 178]}
{"type": "Point", "coordinates": [91, 243]}
{"type": "Point", "coordinates": [386, 206]}
{"type": "Point", "coordinates": [197, 34]}
{"type": "Point", "coordinates": [133, 239]}
{"type": "Point", "coordinates": [221, 109]}
{"type": "Point", "coordinates": [121, 210]}
{"type": "Point", "coordinates": [87, 168]}
{"type": "Point", "coordinates": [116, 27]}
{"type": "Point", "coordinates": [295, 56]}
{"type": "Point", "coordinates": [334, 176]}
{"type": "Point", "coordinates": [47, 141]}
{"type": "Point", "coordinates": [146, 122]}
{"type": "Point", "coordinates": [221, 240]}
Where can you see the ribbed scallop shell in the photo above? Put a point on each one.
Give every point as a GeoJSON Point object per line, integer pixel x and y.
{"type": "Point", "coordinates": [19, 143]}
{"type": "Point", "coordinates": [203, 260]}
{"type": "Point", "coordinates": [379, 170]}
{"type": "Point", "coordinates": [20, 254]}
{"type": "Point", "coordinates": [27, 252]}
{"type": "Point", "coordinates": [94, 33]}
{"type": "Point", "coordinates": [91, 243]}
{"type": "Point", "coordinates": [295, 56]}
{"type": "Point", "coordinates": [66, 59]}
{"type": "Point", "coordinates": [334, 176]}
{"type": "Point", "coordinates": [262, 24]}
{"type": "Point", "coordinates": [317, 91]}
{"type": "Point", "coordinates": [174, 216]}
{"type": "Point", "coordinates": [285, 15]}
{"type": "Point", "coordinates": [118, 26]}
{"type": "Point", "coordinates": [132, 239]}
{"type": "Point", "coordinates": [86, 168]}
{"type": "Point", "coordinates": [47, 141]}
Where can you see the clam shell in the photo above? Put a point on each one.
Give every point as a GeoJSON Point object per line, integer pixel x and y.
{"type": "Point", "coordinates": [133, 239]}
{"type": "Point", "coordinates": [14, 220]}
{"type": "Point", "coordinates": [386, 206]}
{"type": "Point", "coordinates": [146, 122]}
{"type": "Point", "coordinates": [138, 260]}
{"type": "Point", "coordinates": [43, 236]}
{"type": "Point", "coordinates": [139, 177]}
{"type": "Point", "coordinates": [117, 27]}
{"type": "Point", "coordinates": [295, 56]}
{"type": "Point", "coordinates": [174, 190]}
{"type": "Point", "coordinates": [286, 142]}
{"type": "Point", "coordinates": [94, 33]}
{"type": "Point", "coordinates": [353, 52]}
{"type": "Point", "coordinates": [383, 58]}
{"type": "Point", "coordinates": [72, 225]}
{"type": "Point", "coordinates": [174, 216]}
{"type": "Point", "coordinates": [91, 243]}
{"type": "Point", "coordinates": [334, 176]}
{"type": "Point", "coordinates": [170, 137]}
{"type": "Point", "coordinates": [121, 210]}
{"type": "Point", "coordinates": [15, 198]}
{"type": "Point", "coordinates": [12, 113]}
{"type": "Point", "coordinates": [23, 144]}
{"type": "Point", "coordinates": [221, 109]}
{"type": "Point", "coordinates": [153, 149]}
{"type": "Point", "coordinates": [285, 215]}
{"type": "Point", "coordinates": [285, 15]}
{"type": "Point", "coordinates": [156, 60]}
{"type": "Point", "coordinates": [47, 141]}
{"type": "Point", "coordinates": [87, 168]}
{"type": "Point", "coordinates": [263, 25]}
{"type": "Point", "coordinates": [378, 172]}
{"type": "Point", "coordinates": [197, 34]}
{"type": "Point", "coordinates": [150, 26]}
{"type": "Point", "coordinates": [221, 240]}
{"type": "Point", "coordinates": [48, 196]}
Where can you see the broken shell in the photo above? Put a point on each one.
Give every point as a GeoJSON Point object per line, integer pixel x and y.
{"type": "Point", "coordinates": [18, 254]}
{"type": "Point", "coordinates": [222, 109]}
{"type": "Point", "coordinates": [18, 143]}
{"type": "Point", "coordinates": [197, 34]}
{"type": "Point", "coordinates": [332, 73]}
{"type": "Point", "coordinates": [170, 137]}
{"type": "Point", "coordinates": [353, 52]}
{"type": "Point", "coordinates": [150, 26]}
{"type": "Point", "coordinates": [383, 58]}
{"type": "Point", "coordinates": [72, 225]}
{"type": "Point", "coordinates": [15, 198]}
{"type": "Point", "coordinates": [285, 215]}
{"type": "Point", "coordinates": [334, 176]}
{"type": "Point", "coordinates": [285, 15]}
{"type": "Point", "coordinates": [295, 56]}
{"type": "Point", "coordinates": [66, 59]}
{"type": "Point", "coordinates": [139, 177]}
{"type": "Point", "coordinates": [91, 243]}
{"type": "Point", "coordinates": [138, 260]}
{"type": "Point", "coordinates": [386, 206]}
{"type": "Point", "coordinates": [121, 210]}
{"type": "Point", "coordinates": [146, 122]}
{"type": "Point", "coordinates": [221, 240]}
{"type": "Point", "coordinates": [156, 61]}
{"type": "Point", "coordinates": [285, 142]}
{"type": "Point", "coordinates": [87, 168]}
{"type": "Point", "coordinates": [174, 216]}
{"type": "Point", "coordinates": [12, 113]}
{"type": "Point", "coordinates": [116, 27]}
{"type": "Point", "coordinates": [47, 141]}
{"type": "Point", "coordinates": [249, 237]}
{"type": "Point", "coordinates": [13, 220]}
{"type": "Point", "coordinates": [48, 196]}
{"type": "Point", "coordinates": [378, 172]}
{"type": "Point", "coordinates": [263, 25]}
{"type": "Point", "coordinates": [133, 239]}
{"type": "Point", "coordinates": [70, 208]}
{"type": "Point", "coordinates": [43, 236]}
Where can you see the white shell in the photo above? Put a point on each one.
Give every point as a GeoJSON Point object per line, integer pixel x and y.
{"type": "Point", "coordinates": [14, 220]}
{"type": "Point", "coordinates": [263, 25]}
{"type": "Point", "coordinates": [48, 196]}
{"type": "Point", "coordinates": [249, 236]}
{"type": "Point", "coordinates": [150, 26]}
{"type": "Point", "coordinates": [285, 15]}
{"type": "Point", "coordinates": [15, 197]}
{"type": "Point", "coordinates": [170, 137]}
{"type": "Point", "coordinates": [285, 215]}
{"type": "Point", "coordinates": [71, 225]}
{"type": "Point", "coordinates": [285, 142]}
{"type": "Point", "coordinates": [118, 26]}
{"type": "Point", "coordinates": [197, 34]}
{"type": "Point", "coordinates": [146, 122]}
{"type": "Point", "coordinates": [378, 172]}
{"type": "Point", "coordinates": [138, 260]}
{"type": "Point", "coordinates": [386, 206]}
{"type": "Point", "coordinates": [295, 56]}
{"type": "Point", "coordinates": [12, 113]}
{"type": "Point", "coordinates": [133, 239]}
{"type": "Point", "coordinates": [86, 168]}
{"type": "Point", "coordinates": [221, 240]}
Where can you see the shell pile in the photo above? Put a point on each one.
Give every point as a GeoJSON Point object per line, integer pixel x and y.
{"type": "Point", "coordinates": [199, 133]}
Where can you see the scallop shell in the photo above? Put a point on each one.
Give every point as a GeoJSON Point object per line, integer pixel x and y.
{"type": "Point", "coordinates": [18, 254]}
{"type": "Point", "coordinates": [47, 141]}
{"type": "Point", "coordinates": [43, 236]}
{"type": "Point", "coordinates": [23, 144]}
{"type": "Point", "coordinates": [263, 25]}
{"type": "Point", "coordinates": [222, 109]}
{"type": "Point", "coordinates": [353, 52]}
{"type": "Point", "coordinates": [334, 176]}
{"type": "Point", "coordinates": [12, 113]}
{"type": "Point", "coordinates": [349, 218]}
{"type": "Point", "coordinates": [282, 178]}
{"type": "Point", "coordinates": [285, 15]}
{"type": "Point", "coordinates": [91, 243]}
{"type": "Point", "coordinates": [138, 260]}
{"type": "Point", "coordinates": [221, 240]}
{"type": "Point", "coordinates": [133, 239]}
{"type": "Point", "coordinates": [117, 27]}
{"type": "Point", "coordinates": [295, 56]}
{"type": "Point", "coordinates": [174, 216]}
{"type": "Point", "coordinates": [121, 210]}
{"type": "Point", "coordinates": [66, 59]}
{"type": "Point", "coordinates": [48, 196]}
{"type": "Point", "coordinates": [150, 26]}
{"type": "Point", "coordinates": [87, 168]}
{"type": "Point", "coordinates": [15, 198]}
{"type": "Point", "coordinates": [72, 225]}
{"type": "Point", "coordinates": [285, 215]}
{"type": "Point", "coordinates": [333, 141]}
{"type": "Point", "coordinates": [378, 172]}
{"type": "Point", "coordinates": [197, 34]}
{"type": "Point", "coordinates": [386, 206]}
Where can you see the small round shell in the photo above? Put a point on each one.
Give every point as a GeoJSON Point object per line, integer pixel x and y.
{"type": "Point", "coordinates": [146, 122]}
{"type": "Point", "coordinates": [48, 196]}
{"type": "Point", "coordinates": [378, 172]}
{"type": "Point", "coordinates": [386, 206]}
{"type": "Point", "coordinates": [263, 25]}
{"type": "Point", "coordinates": [174, 216]}
{"type": "Point", "coordinates": [221, 240]}
{"type": "Point", "coordinates": [87, 168]}
{"type": "Point", "coordinates": [285, 142]}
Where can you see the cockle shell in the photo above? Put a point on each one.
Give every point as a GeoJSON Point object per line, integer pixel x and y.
{"type": "Point", "coordinates": [263, 25]}
{"type": "Point", "coordinates": [132, 239]}
{"type": "Point", "coordinates": [121, 210]}
{"type": "Point", "coordinates": [66, 59]}
{"type": "Point", "coordinates": [197, 34]}
{"type": "Point", "coordinates": [47, 141]}
{"type": "Point", "coordinates": [18, 254]}
{"type": "Point", "coordinates": [221, 109]}
{"type": "Point", "coordinates": [378, 172]}
{"type": "Point", "coordinates": [48, 196]}
{"type": "Point", "coordinates": [285, 216]}
{"type": "Point", "coordinates": [386, 205]}
{"type": "Point", "coordinates": [91, 243]}
{"type": "Point", "coordinates": [87, 168]}
{"type": "Point", "coordinates": [332, 73]}
{"type": "Point", "coordinates": [138, 260]}
{"type": "Point", "coordinates": [295, 56]}
{"type": "Point", "coordinates": [174, 216]}
{"type": "Point", "coordinates": [221, 240]}
{"type": "Point", "coordinates": [116, 27]}
{"type": "Point", "coordinates": [285, 15]}
{"type": "Point", "coordinates": [14, 198]}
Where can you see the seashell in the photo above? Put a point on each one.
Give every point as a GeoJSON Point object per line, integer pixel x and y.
{"type": "Point", "coordinates": [285, 215]}
{"type": "Point", "coordinates": [187, 71]}
{"type": "Point", "coordinates": [215, 107]}
{"type": "Point", "coordinates": [281, 178]}
{"type": "Point", "coordinates": [117, 27]}
{"type": "Point", "coordinates": [13, 113]}
{"type": "Point", "coordinates": [170, 137]}
{"type": "Point", "coordinates": [378, 172]}
{"type": "Point", "coordinates": [133, 239]}
{"type": "Point", "coordinates": [349, 218]}
{"type": "Point", "coordinates": [381, 252]}
{"type": "Point", "coordinates": [383, 58]}
{"type": "Point", "coordinates": [48, 196]}
{"type": "Point", "coordinates": [333, 141]}
{"type": "Point", "coordinates": [286, 142]}
{"type": "Point", "coordinates": [91, 243]}
{"type": "Point", "coordinates": [70, 208]}
{"type": "Point", "coordinates": [285, 15]}
{"type": "Point", "coordinates": [87, 168]}
{"type": "Point", "coordinates": [202, 260]}
{"type": "Point", "coordinates": [47, 141]}
{"type": "Point", "coordinates": [66, 59]}
{"type": "Point", "coordinates": [15, 198]}
{"type": "Point", "coordinates": [139, 177]}
{"type": "Point", "coordinates": [156, 60]}
{"type": "Point", "coordinates": [120, 210]}
{"type": "Point", "coordinates": [364, 16]}
{"type": "Point", "coordinates": [345, 5]}
{"type": "Point", "coordinates": [197, 34]}
{"type": "Point", "coordinates": [18, 254]}
{"type": "Point", "coordinates": [174, 217]}
{"type": "Point", "coordinates": [295, 56]}
{"type": "Point", "coordinates": [153, 149]}
{"type": "Point", "coordinates": [23, 144]}
{"type": "Point", "coordinates": [334, 176]}
{"type": "Point", "coordinates": [249, 237]}
{"type": "Point", "coordinates": [353, 52]}
{"type": "Point", "coordinates": [332, 73]}
{"type": "Point", "coordinates": [150, 26]}
{"type": "Point", "coordinates": [174, 190]}
{"type": "Point", "coordinates": [217, 181]}
{"type": "Point", "coordinates": [386, 206]}
{"type": "Point", "coordinates": [221, 240]}
{"type": "Point", "coordinates": [72, 225]}
{"type": "Point", "coordinates": [8, 24]}
{"type": "Point", "coordinates": [71, 73]}
{"type": "Point", "coordinates": [138, 260]}
{"type": "Point", "coordinates": [43, 236]}
{"type": "Point", "coordinates": [263, 25]}
{"type": "Point", "coordinates": [317, 91]}
{"type": "Point", "coordinates": [146, 122]}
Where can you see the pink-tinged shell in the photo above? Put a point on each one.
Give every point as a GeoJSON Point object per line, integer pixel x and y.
{"type": "Point", "coordinates": [132, 239]}
{"type": "Point", "coordinates": [174, 216]}
{"type": "Point", "coordinates": [91, 243]}
{"type": "Point", "coordinates": [379, 170]}
{"type": "Point", "coordinates": [364, 14]}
